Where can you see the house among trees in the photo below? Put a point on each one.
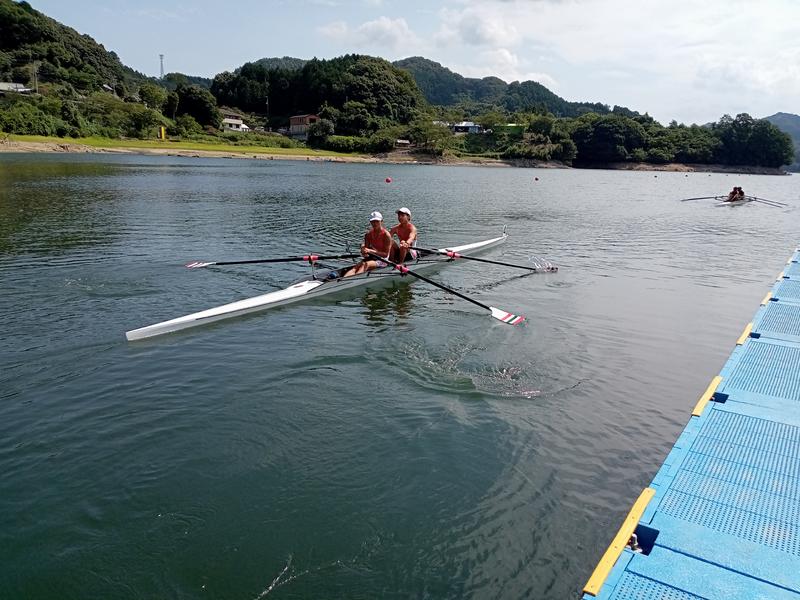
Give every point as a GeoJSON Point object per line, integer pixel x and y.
{"type": "Point", "coordinates": [467, 127]}
{"type": "Point", "coordinates": [14, 87]}
{"type": "Point", "coordinates": [298, 125]}
{"type": "Point", "coordinates": [232, 121]}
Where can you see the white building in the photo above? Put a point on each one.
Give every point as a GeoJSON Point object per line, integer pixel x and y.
{"type": "Point", "coordinates": [6, 86]}
{"type": "Point", "coordinates": [232, 121]}
{"type": "Point", "coordinates": [229, 124]}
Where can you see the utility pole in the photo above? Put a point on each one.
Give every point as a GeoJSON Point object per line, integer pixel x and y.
{"type": "Point", "coordinates": [161, 56]}
{"type": "Point", "coordinates": [34, 73]}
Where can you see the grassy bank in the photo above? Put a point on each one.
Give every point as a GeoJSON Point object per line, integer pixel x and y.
{"type": "Point", "coordinates": [170, 145]}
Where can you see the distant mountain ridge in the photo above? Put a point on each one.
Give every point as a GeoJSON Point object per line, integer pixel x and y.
{"type": "Point", "coordinates": [442, 86]}
{"type": "Point", "coordinates": [789, 124]}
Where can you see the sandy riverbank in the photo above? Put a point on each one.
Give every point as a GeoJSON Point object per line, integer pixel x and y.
{"type": "Point", "coordinates": [397, 157]}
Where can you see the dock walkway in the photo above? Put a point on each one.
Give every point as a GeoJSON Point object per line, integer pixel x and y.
{"type": "Point", "coordinates": [721, 518]}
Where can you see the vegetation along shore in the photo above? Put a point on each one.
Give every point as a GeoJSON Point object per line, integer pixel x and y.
{"type": "Point", "coordinates": [78, 97]}
{"type": "Point", "coordinates": [42, 144]}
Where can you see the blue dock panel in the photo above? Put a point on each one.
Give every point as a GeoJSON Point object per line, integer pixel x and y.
{"type": "Point", "coordinates": [721, 518]}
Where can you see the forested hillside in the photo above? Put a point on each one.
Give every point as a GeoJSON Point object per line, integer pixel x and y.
{"type": "Point", "coordinates": [365, 104]}
{"type": "Point", "coordinates": [441, 86]}
{"type": "Point", "coordinates": [34, 43]}
{"type": "Point", "coordinates": [360, 93]}
{"type": "Point", "coordinates": [789, 124]}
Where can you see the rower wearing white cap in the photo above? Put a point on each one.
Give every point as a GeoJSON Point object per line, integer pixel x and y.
{"type": "Point", "coordinates": [377, 241]}
{"type": "Point", "coordinates": [406, 234]}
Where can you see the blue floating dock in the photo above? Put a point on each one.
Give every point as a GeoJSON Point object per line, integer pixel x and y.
{"type": "Point", "coordinates": [721, 518]}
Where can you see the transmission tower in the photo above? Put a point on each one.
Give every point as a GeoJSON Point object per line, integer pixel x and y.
{"type": "Point", "coordinates": [161, 56]}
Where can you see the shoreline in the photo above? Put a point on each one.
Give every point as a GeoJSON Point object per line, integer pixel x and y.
{"type": "Point", "coordinates": [9, 145]}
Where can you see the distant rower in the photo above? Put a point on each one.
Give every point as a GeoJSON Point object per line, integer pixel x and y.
{"type": "Point", "coordinates": [735, 194]}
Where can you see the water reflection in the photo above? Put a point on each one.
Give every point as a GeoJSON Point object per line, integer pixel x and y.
{"type": "Point", "coordinates": [50, 207]}
{"type": "Point", "coordinates": [384, 302]}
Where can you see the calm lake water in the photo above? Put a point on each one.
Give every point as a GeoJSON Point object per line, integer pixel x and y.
{"type": "Point", "coordinates": [394, 443]}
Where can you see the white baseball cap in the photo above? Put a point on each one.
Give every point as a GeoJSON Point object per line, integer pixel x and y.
{"type": "Point", "coordinates": [404, 210]}
{"type": "Point", "coordinates": [375, 216]}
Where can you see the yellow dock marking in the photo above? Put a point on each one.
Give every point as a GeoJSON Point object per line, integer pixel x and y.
{"type": "Point", "coordinates": [618, 544]}
{"type": "Point", "coordinates": [701, 403]}
{"type": "Point", "coordinates": [745, 334]}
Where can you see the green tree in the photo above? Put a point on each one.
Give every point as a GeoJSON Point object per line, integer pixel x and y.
{"type": "Point", "coordinates": [432, 138]}
{"type": "Point", "coordinates": [769, 146]}
{"type": "Point", "coordinates": [153, 96]}
{"type": "Point", "coordinates": [491, 119]}
{"type": "Point", "coordinates": [355, 119]}
{"type": "Point", "coordinates": [200, 104]}
{"type": "Point", "coordinates": [608, 138]}
{"type": "Point", "coordinates": [319, 132]}
{"type": "Point", "coordinates": [171, 105]}
{"type": "Point", "coordinates": [26, 119]}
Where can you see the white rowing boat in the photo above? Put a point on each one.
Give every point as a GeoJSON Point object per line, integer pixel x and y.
{"type": "Point", "coordinates": [723, 201]}
{"type": "Point", "coordinates": [315, 286]}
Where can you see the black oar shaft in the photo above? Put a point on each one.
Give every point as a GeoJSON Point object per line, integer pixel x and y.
{"type": "Point", "coordinates": [405, 270]}
{"type": "Point", "coordinates": [304, 258]}
{"type": "Point", "coordinates": [455, 255]}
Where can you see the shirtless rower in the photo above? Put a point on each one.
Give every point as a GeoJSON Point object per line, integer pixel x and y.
{"type": "Point", "coordinates": [377, 241]}
{"type": "Point", "coordinates": [406, 234]}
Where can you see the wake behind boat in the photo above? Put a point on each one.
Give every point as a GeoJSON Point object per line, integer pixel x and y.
{"type": "Point", "coordinates": [327, 281]}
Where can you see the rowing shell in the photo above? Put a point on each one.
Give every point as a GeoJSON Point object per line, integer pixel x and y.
{"type": "Point", "coordinates": [723, 201]}
{"type": "Point", "coordinates": [313, 287]}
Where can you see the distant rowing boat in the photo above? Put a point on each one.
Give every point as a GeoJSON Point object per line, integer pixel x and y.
{"type": "Point", "coordinates": [723, 200]}
{"type": "Point", "coordinates": [326, 281]}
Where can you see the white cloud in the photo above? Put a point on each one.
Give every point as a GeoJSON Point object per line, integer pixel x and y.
{"type": "Point", "coordinates": [506, 65]}
{"type": "Point", "coordinates": [379, 35]}
{"type": "Point", "coordinates": [674, 59]}
{"type": "Point", "coordinates": [651, 55]}
{"type": "Point", "coordinates": [335, 30]}
{"type": "Point", "coordinates": [476, 27]}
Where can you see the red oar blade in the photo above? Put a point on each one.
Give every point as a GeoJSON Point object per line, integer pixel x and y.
{"type": "Point", "coordinates": [506, 317]}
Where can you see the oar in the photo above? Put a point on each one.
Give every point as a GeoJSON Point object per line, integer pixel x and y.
{"type": "Point", "coordinates": [497, 313]}
{"type": "Point", "coordinates": [307, 258]}
{"type": "Point", "coordinates": [700, 198]}
{"type": "Point", "coordinates": [770, 202]}
{"type": "Point", "coordinates": [454, 255]}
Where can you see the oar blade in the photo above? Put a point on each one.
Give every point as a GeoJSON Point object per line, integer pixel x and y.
{"type": "Point", "coordinates": [199, 265]}
{"type": "Point", "coordinates": [506, 317]}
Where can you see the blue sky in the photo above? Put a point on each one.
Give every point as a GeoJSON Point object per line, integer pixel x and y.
{"type": "Point", "coordinates": [683, 59]}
